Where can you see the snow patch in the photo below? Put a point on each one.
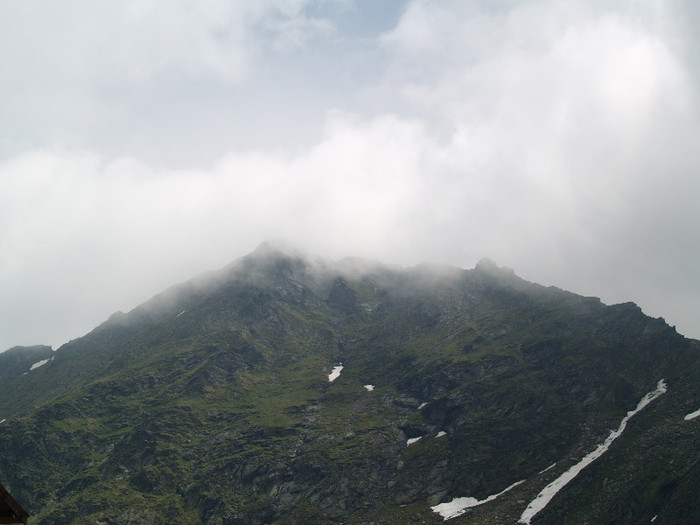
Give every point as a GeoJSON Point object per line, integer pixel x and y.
{"type": "Point", "coordinates": [459, 506]}
{"type": "Point", "coordinates": [692, 415]}
{"type": "Point", "coordinates": [178, 315]}
{"type": "Point", "coordinates": [548, 468]}
{"type": "Point", "coordinates": [441, 433]}
{"type": "Point", "coordinates": [39, 363]}
{"type": "Point", "coordinates": [547, 493]}
{"type": "Point", "coordinates": [422, 406]}
{"type": "Point", "coordinates": [653, 519]}
{"type": "Point", "coordinates": [369, 388]}
{"type": "Point", "coordinates": [2, 420]}
{"type": "Point", "coordinates": [335, 373]}
{"type": "Point", "coordinates": [411, 441]}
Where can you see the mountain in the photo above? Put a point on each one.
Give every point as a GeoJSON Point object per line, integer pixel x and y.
{"type": "Point", "coordinates": [285, 389]}
{"type": "Point", "coordinates": [22, 359]}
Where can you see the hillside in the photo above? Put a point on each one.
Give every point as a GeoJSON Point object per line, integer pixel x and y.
{"type": "Point", "coordinates": [20, 360]}
{"type": "Point", "coordinates": [213, 403]}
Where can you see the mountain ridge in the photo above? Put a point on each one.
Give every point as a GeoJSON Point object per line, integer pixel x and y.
{"type": "Point", "coordinates": [211, 402]}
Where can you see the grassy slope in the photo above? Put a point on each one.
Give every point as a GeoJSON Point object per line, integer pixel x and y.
{"type": "Point", "coordinates": [224, 414]}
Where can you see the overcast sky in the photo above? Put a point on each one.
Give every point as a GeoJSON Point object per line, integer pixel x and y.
{"type": "Point", "coordinates": [143, 142]}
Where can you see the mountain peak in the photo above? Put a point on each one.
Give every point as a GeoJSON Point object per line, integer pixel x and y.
{"type": "Point", "coordinates": [278, 247]}
{"type": "Point", "coordinates": [489, 267]}
{"type": "Point", "coordinates": [215, 397]}
{"type": "Point", "coordinates": [486, 264]}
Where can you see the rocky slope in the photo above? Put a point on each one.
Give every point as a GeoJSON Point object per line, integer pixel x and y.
{"type": "Point", "coordinates": [212, 403]}
{"type": "Point", "coordinates": [19, 360]}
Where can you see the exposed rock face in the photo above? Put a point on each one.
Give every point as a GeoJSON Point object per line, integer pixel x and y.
{"type": "Point", "coordinates": [20, 359]}
{"type": "Point", "coordinates": [211, 403]}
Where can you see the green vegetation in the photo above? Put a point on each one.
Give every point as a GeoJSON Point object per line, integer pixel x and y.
{"type": "Point", "coordinates": [211, 403]}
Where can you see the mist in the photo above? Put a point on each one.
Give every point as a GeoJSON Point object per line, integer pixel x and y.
{"type": "Point", "coordinates": [144, 145]}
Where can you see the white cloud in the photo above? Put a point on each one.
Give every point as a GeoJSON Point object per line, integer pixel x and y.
{"type": "Point", "coordinates": [556, 137]}
{"type": "Point", "coordinates": [132, 42]}
{"type": "Point", "coordinates": [78, 71]}
{"type": "Point", "coordinates": [577, 120]}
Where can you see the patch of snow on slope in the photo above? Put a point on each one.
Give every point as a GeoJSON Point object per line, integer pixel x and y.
{"type": "Point", "coordinates": [39, 363]}
{"type": "Point", "coordinates": [547, 493]}
{"type": "Point", "coordinates": [411, 441]}
{"type": "Point", "coordinates": [459, 506]}
{"type": "Point", "coordinates": [335, 373]}
{"type": "Point", "coordinates": [441, 433]}
{"type": "Point", "coordinates": [548, 468]}
{"type": "Point", "coordinates": [369, 388]}
{"type": "Point", "coordinates": [3, 420]}
{"type": "Point", "coordinates": [422, 406]}
{"type": "Point", "coordinates": [178, 315]}
{"type": "Point", "coordinates": [692, 415]}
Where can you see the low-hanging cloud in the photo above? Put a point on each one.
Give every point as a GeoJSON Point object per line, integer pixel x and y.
{"type": "Point", "coordinates": [556, 138]}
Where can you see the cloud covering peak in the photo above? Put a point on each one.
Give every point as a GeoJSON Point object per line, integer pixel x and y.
{"type": "Point", "coordinates": [146, 142]}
